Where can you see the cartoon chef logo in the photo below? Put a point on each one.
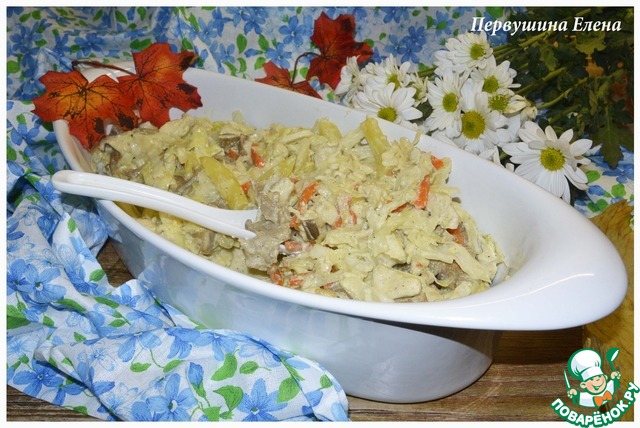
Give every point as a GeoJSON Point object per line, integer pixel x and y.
{"type": "Point", "coordinates": [597, 388]}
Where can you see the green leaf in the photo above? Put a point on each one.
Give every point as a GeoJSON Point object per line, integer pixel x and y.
{"type": "Point", "coordinates": [241, 41]}
{"type": "Point", "coordinates": [53, 362]}
{"type": "Point", "coordinates": [117, 323]}
{"type": "Point", "coordinates": [139, 367]}
{"type": "Point", "coordinates": [194, 22]}
{"type": "Point", "coordinates": [325, 382]}
{"type": "Point", "coordinates": [186, 44]}
{"type": "Point", "coordinates": [288, 390]}
{"type": "Point", "coordinates": [249, 367]}
{"type": "Point", "coordinates": [547, 56]}
{"type": "Point", "coordinates": [80, 409]}
{"type": "Point", "coordinates": [71, 225]}
{"type": "Point", "coordinates": [105, 301]}
{"type": "Point", "coordinates": [612, 137]}
{"type": "Point", "coordinates": [172, 365]}
{"type": "Point", "coordinates": [139, 45]}
{"type": "Point", "coordinates": [228, 368]}
{"type": "Point", "coordinates": [259, 63]}
{"type": "Point", "coordinates": [226, 415]}
{"type": "Point", "coordinates": [212, 413]}
{"type": "Point", "coordinates": [13, 67]}
{"type": "Point", "coordinates": [243, 65]}
{"type": "Point", "coordinates": [11, 154]}
{"type": "Point", "coordinates": [589, 42]}
{"type": "Point", "coordinates": [78, 337]}
{"type": "Point", "coordinates": [96, 275]}
{"type": "Point", "coordinates": [142, 12]}
{"type": "Point", "coordinates": [15, 321]}
{"type": "Point", "coordinates": [67, 361]}
{"type": "Point", "coordinates": [72, 304]}
{"type": "Point", "coordinates": [618, 190]}
{"type": "Point", "coordinates": [200, 390]}
{"type": "Point", "coordinates": [231, 68]}
{"type": "Point", "coordinates": [47, 321]}
{"type": "Point", "coordinates": [495, 12]}
{"type": "Point", "coordinates": [120, 17]}
{"type": "Point", "coordinates": [263, 43]}
{"type": "Point", "coordinates": [232, 395]}
{"type": "Point", "coordinates": [592, 176]}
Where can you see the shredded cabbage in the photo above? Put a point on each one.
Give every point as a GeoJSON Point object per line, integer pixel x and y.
{"type": "Point", "coordinates": [360, 217]}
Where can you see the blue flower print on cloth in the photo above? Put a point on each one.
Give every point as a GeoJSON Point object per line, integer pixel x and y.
{"type": "Point", "coordinates": [118, 352]}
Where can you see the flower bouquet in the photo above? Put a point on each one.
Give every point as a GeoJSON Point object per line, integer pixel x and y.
{"type": "Point", "coordinates": [472, 96]}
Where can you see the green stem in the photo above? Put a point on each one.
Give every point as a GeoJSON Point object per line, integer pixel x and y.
{"type": "Point", "coordinates": [427, 72]}
{"type": "Point", "coordinates": [561, 96]}
{"type": "Point", "coordinates": [562, 114]}
{"type": "Point", "coordinates": [551, 75]}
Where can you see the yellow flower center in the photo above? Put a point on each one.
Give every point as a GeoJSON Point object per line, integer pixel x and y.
{"type": "Point", "coordinates": [388, 113]}
{"type": "Point", "coordinates": [477, 51]}
{"type": "Point", "coordinates": [450, 102]}
{"type": "Point", "coordinates": [490, 84]}
{"type": "Point", "coordinates": [552, 159]}
{"type": "Point", "coordinates": [499, 103]}
{"type": "Point", "coordinates": [394, 79]}
{"type": "Point", "coordinates": [473, 124]}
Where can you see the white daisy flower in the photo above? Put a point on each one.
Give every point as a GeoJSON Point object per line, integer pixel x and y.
{"type": "Point", "coordinates": [492, 154]}
{"type": "Point", "coordinates": [394, 105]}
{"type": "Point", "coordinates": [388, 71]}
{"type": "Point", "coordinates": [420, 85]}
{"type": "Point", "coordinates": [469, 51]}
{"type": "Point", "coordinates": [479, 124]}
{"type": "Point", "coordinates": [494, 77]}
{"type": "Point", "coordinates": [352, 79]}
{"type": "Point", "coordinates": [442, 63]}
{"type": "Point", "coordinates": [549, 161]}
{"type": "Point", "coordinates": [444, 94]}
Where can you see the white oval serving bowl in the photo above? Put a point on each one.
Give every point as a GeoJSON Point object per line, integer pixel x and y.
{"type": "Point", "coordinates": [564, 271]}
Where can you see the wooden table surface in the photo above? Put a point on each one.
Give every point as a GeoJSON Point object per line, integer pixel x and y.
{"type": "Point", "coordinates": [525, 378]}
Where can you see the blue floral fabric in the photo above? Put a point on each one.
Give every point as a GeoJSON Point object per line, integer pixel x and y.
{"type": "Point", "coordinates": [114, 351]}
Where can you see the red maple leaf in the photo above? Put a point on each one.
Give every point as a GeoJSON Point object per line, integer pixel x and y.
{"type": "Point", "coordinates": [87, 106]}
{"type": "Point", "coordinates": [158, 84]}
{"type": "Point", "coordinates": [277, 76]}
{"type": "Point", "coordinates": [335, 39]}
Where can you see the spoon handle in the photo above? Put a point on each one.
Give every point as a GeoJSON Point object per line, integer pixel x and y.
{"type": "Point", "coordinates": [229, 222]}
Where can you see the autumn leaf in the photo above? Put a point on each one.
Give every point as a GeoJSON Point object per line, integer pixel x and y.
{"type": "Point", "coordinates": [158, 84]}
{"type": "Point", "coordinates": [277, 76]}
{"type": "Point", "coordinates": [335, 39]}
{"type": "Point", "coordinates": [87, 106]}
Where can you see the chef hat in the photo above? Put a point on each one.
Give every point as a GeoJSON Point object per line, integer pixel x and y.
{"type": "Point", "coordinates": [585, 364]}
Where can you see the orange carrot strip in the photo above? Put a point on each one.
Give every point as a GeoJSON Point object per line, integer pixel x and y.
{"type": "Point", "coordinates": [233, 154]}
{"type": "Point", "coordinates": [245, 187]}
{"type": "Point", "coordinates": [423, 193]}
{"type": "Point", "coordinates": [293, 246]}
{"type": "Point", "coordinates": [257, 159]}
{"type": "Point", "coordinates": [276, 276]}
{"type": "Point", "coordinates": [306, 195]}
{"type": "Point", "coordinates": [296, 281]}
{"type": "Point", "coordinates": [436, 162]}
{"type": "Point", "coordinates": [400, 208]}
{"type": "Point", "coordinates": [457, 234]}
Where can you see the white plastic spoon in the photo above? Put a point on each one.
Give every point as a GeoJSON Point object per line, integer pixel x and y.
{"type": "Point", "coordinates": [229, 222]}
